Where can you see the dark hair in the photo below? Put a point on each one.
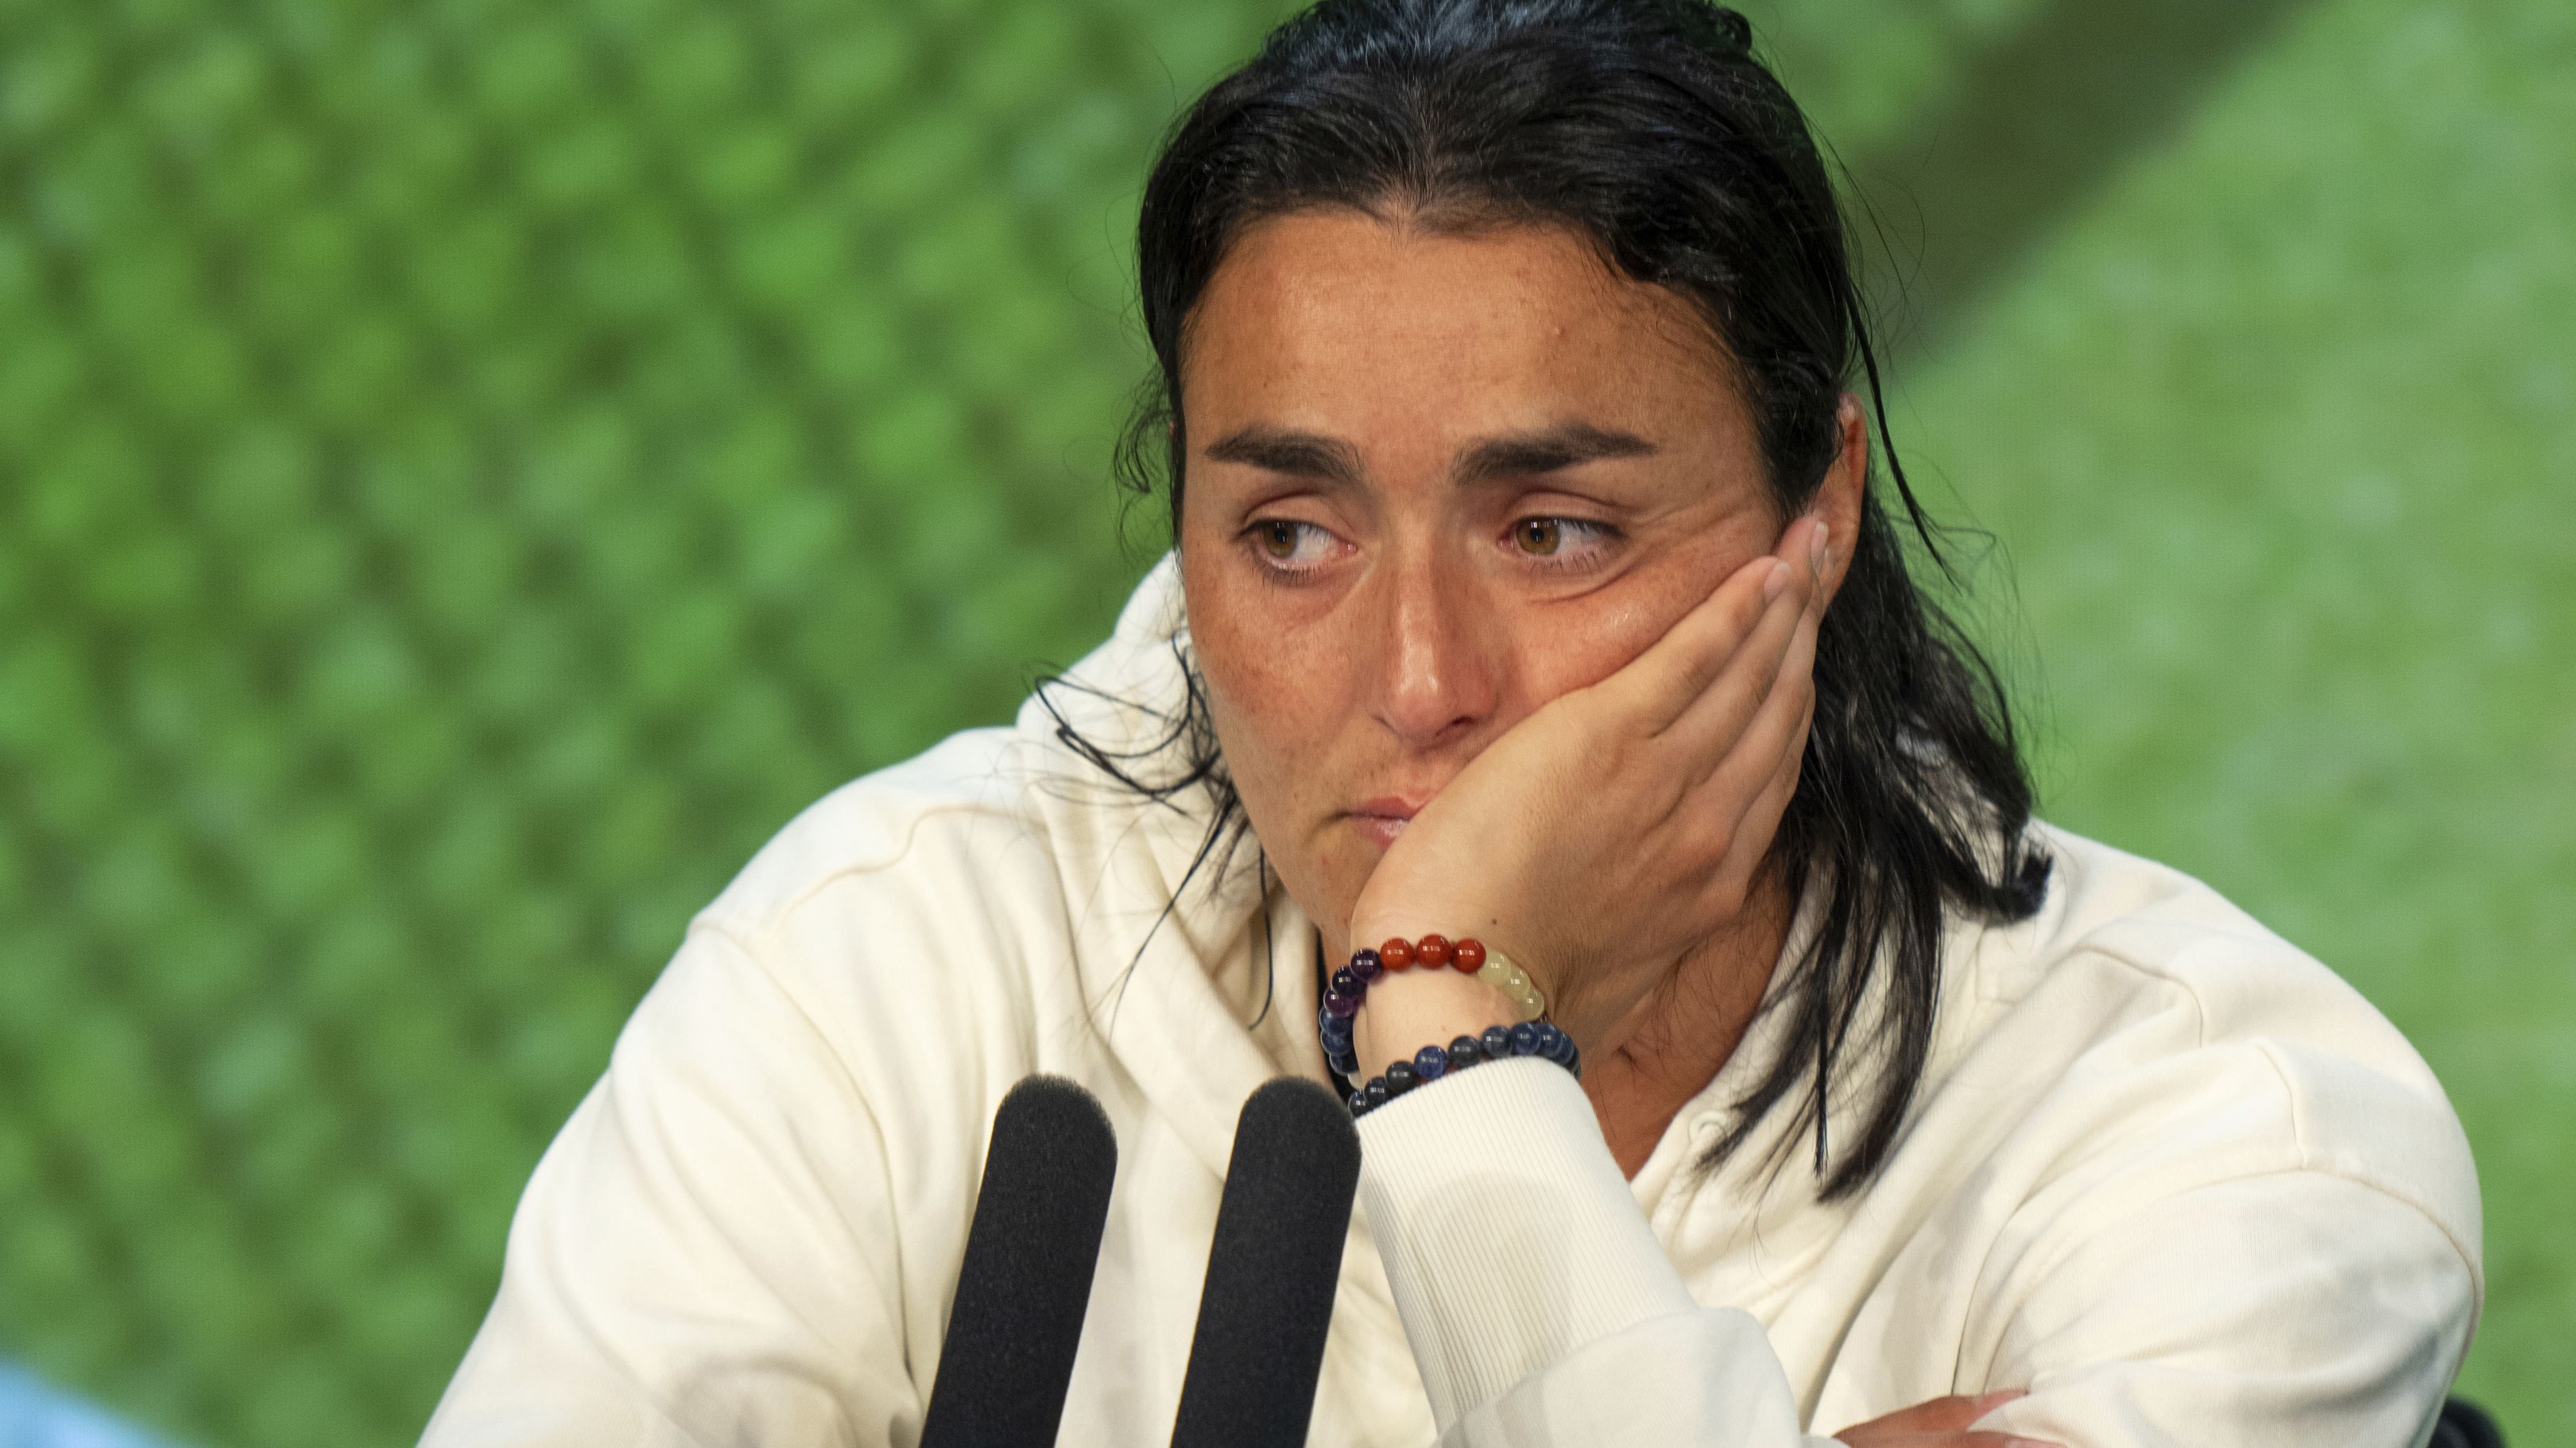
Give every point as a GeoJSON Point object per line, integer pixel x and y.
{"type": "Point", "coordinates": [1649, 128]}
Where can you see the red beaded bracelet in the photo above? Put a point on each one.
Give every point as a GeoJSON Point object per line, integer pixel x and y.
{"type": "Point", "coordinates": [1469, 957]}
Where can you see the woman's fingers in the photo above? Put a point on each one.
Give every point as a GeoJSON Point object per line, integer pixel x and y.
{"type": "Point", "coordinates": [1748, 835]}
{"type": "Point", "coordinates": [1943, 1441]}
{"type": "Point", "coordinates": [1941, 1420]}
{"type": "Point", "coordinates": [1712, 664]}
{"type": "Point", "coordinates": [1724, 701]}
{"type": "Point", "coordinates": [1748, 769]}
{"type": "Point", "coordinates": [1944, 1415]}
{"type": "Point", "coordinates": [1669, 677]}
{"type": "Point", "coordinates": [1780, 647]}
{"type": "Point", "coordinates": [1742, 744]}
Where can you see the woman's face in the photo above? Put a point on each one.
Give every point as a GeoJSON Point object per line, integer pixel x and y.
{"type": "Point", "coordinates": [1435, 481]}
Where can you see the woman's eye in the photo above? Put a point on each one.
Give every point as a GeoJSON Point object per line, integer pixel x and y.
{"type": "Point", "coordinates": [1557, 540]}
{"type": "Point", "coordinates": [1287, 543]}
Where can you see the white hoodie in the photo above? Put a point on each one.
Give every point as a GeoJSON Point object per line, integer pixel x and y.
{"type": "Point", "coordinates": [2164, 1170]}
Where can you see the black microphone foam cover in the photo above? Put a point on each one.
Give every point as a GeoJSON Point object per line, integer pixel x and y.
{"type": "Point", "coordinates": [1017, 1316]}
{"type": "Point", "coordinates": [1272, 1270]}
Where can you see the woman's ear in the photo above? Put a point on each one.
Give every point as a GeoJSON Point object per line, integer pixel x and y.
{"type": "Point", "coordinates": [1838, 497]}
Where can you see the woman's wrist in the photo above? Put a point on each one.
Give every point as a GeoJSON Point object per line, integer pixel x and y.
{"type": "Point", "coordinates": [1407, 1010]}
{"type": "Point", "coordinates": [1485, 1006]}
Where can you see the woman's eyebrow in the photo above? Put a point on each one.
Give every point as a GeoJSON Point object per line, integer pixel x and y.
{"type": "Point", "coordinates": [1284, 450]}
{"type": "Point", "coordinates": [1508, 455]}
{"type": "Point", "coordinates": [1545, 450]}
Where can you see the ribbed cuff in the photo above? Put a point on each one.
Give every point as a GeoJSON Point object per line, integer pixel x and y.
{"type": "Point", "coordinates": [1509, 1236]}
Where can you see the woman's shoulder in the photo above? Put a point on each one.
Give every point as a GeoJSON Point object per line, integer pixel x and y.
{"type": "Point", "coordinates": [2121, 924]}
{"type": "Point", "coordinates": [2154, 1017]}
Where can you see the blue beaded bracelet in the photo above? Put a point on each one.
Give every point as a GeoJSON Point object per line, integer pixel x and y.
{"type": "Point", "coordinates": [1529, 1038]}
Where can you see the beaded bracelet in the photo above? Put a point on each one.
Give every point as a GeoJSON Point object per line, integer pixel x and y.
{"type": "Point", "coordinates": [1349, 986]}
{"type": "Point", "coordinates": [1529, 1038]}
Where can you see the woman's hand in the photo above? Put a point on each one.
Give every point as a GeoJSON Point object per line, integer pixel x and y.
{"type": "Point", "coordinates": [1599, 840]}
{"type": "Point", "coordinates": [1940, 1423]}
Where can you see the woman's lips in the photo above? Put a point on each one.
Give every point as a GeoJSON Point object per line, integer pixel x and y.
{"type": "Point", "coordinates": [1385, 818]}
{"type": "Point", "coordinates": [1381, 828]}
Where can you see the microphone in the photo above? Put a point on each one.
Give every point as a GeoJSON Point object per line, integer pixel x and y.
{"type": "Point", "coordinates": [1016, 1320]}
{"type": "Point", "coordinates": [1272, 1270]}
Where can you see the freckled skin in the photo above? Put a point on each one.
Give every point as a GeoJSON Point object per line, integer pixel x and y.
{"type": "Point", "coordinates": [1428, 629]}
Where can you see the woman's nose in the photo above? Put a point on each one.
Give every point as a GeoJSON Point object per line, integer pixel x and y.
{"type": "Point", "coordinates": [1441, 676]}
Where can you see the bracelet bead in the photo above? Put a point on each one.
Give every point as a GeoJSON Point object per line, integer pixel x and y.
{"type": "Point", "coordinates": [1346, 989]}
{"type": "Point", "coordinates": [1334, 1032]}
{"type": "Point", "coordinates": [1542, 1039]}
{"type": "Point", "coordinates": [1514, 982]}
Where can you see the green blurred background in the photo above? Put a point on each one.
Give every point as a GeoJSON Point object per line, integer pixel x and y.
{"type": "Point", "coordinates": [471, 470]}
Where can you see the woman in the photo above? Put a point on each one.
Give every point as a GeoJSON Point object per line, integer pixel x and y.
{"type": "Point", "coordinates": [1529, 584]}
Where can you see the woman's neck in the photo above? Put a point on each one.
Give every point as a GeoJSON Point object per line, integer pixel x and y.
{"type": "Point", "coordinates": [1676, 1039]}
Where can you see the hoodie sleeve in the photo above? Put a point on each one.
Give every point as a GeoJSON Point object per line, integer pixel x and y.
{"type": "Point", "coordinates": [1540, 1308]}
{"type": "Point", "coordinates": [2300, 1307]}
